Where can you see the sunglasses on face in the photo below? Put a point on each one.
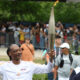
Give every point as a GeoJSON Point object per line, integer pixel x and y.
{"type": "Point", "coordinates": [62, 48]}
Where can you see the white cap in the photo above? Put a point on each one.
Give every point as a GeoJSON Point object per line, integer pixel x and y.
{"type": "Point", "coordinates": [65, 45]}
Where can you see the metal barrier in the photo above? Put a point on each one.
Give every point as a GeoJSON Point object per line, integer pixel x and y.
{"type": "Point", "coordinates": [6, 39]}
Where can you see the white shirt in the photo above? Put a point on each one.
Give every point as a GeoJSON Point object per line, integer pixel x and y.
{"type": "Point", "coordinates": [23, 71]}
{"type": "Point", "coordinates": [4, 29]}
{"type": "Point", "coordinates": [12, 27]}
{"type": "Point", "coordinates": [16, 33]}
{"type": "Point", "coordinates": [65, 70]}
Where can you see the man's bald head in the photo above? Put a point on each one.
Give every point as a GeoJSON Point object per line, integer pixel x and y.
{"type": "Point", "coordinates": [14, 52]}
{"type": "Point", "coordinates": [13, 46]}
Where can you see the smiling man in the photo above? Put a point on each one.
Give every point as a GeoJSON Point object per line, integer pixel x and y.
{"type": "Point", "coordinates": [22, 70]}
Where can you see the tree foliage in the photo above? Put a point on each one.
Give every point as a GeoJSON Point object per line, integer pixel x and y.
{"type": "Point", "coordinates": [39, 11]}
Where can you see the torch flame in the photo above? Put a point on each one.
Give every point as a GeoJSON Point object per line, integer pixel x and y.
{"type": "Point", "coordinates": [57, 1]}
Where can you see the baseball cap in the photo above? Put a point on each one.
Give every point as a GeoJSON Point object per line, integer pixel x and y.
{"type": "Point", "coordinates": [65, 45]}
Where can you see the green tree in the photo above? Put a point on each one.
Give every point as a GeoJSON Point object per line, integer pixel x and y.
{"type": "Point", "coordinates": [39, 11]}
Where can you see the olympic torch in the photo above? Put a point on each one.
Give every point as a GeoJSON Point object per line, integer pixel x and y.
{"type": "Point", "coordinates": [51, 30]}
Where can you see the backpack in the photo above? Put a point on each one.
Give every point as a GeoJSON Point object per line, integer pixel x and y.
{"type": "Point", "coordinates": [62, 61]}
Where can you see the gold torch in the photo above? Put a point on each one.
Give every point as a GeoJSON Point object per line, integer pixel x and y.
{"type": "Point", "coordinates": [51, 30]}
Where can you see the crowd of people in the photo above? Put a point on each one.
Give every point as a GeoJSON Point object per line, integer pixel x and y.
{"type": "Point", "coordinates": [16, 33]}
{"type": "Point", "coordinates": [38, 34]}
{"type": "Point", "coordinates": [30, 37]}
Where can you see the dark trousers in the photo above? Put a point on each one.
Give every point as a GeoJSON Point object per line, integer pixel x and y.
{"type": "Point", "coordinates": [51, 76]}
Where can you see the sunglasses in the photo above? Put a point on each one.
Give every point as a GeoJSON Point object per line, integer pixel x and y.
{"type": "Point", "coordinates": [62, 48]}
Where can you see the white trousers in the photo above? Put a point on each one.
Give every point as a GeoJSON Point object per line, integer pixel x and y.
{"type": "Point", "coordinates": [62, 78]}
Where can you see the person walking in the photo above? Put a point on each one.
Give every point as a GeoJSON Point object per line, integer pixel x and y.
{"type": "Point", "coordinates": [63, 63]}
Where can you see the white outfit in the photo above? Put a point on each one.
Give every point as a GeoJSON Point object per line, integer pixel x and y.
{"type": "Point", "coordinates": [64, 72]}
{"type": "Point", "coordinates": [76, 63]}
{"type": "Point", "coordinates": [23, 71]}
{"type": "Point", "coordinates": [63, 78]}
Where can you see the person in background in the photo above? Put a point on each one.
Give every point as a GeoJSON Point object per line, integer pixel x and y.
{"type": "Point", "coordinates": [57, 52]}
{"type": "Point", "coordinates": [16, 37]}
{"type": "Point", "coordinates": [16, 34]}
{"type": "Point", "coordinates": [32, 37]}
{"type": "Point", "coordinates": [26, 30]}
{"type": "Point", "coordinates": [45, 27]}
{"type": "Point", "coordinates": [3, 35]}
{"type": "Point", "coordinates": [78, 43]}
{"type": "Point", "coordinates": [27, 51]}
{"type": "Point", "coordinates": [63, 63]}
{"type": "Point", "coordinates": [21, 36]}
{"type": "Point", "coordinates": [57, 45]}
{"type": "Point", "coordinates": [37, 36]}
{"type": "Point", "coordinates": [75, 43]}
{"type": "Point", "coordinates": [42, 39]}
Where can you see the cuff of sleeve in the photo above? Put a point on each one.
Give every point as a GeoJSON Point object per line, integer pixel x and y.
{"type": "Point", "coordinates": [51, 64]}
